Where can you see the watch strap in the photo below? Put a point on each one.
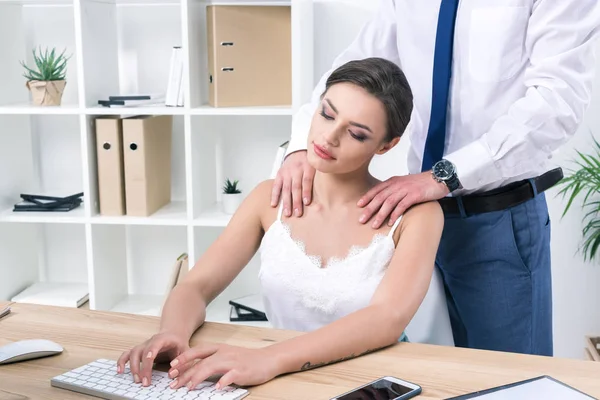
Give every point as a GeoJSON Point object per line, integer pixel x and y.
{"type": "Point", "coordinates": [453, 183]}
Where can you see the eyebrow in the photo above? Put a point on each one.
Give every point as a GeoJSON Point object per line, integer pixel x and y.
{"type": "Point", "coordinates": [365, 127]}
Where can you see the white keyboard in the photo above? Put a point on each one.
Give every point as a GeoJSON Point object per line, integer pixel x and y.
{"type": "Point", "coordinates": [99, 378]}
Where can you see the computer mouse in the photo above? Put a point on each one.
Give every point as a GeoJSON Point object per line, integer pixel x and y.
{"type": "Point", "coordinates": [27, 350]}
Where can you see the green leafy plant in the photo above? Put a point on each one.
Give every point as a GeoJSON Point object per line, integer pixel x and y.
{"type": "Point", "coordinates": [231, 187]}
{"type": "Point", "coordinates": [585, 181]}
{"type": "Point", "coordinates": [50, 66]}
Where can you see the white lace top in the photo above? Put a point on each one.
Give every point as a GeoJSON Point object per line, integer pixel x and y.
{"type": "Point", "coordinates": [300, 294]}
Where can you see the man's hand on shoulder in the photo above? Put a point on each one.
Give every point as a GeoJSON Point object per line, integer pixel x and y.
{"type": "Point", "coordinates": [293, 184]}
{"type": "Point", "coordinates": [395, 195]}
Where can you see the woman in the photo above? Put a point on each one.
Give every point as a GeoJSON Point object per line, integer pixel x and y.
{"type": "Point", "coordinates": [324, 273]}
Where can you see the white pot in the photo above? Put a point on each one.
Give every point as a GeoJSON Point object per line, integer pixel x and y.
{"type": "Point", "coordinates": [231, 201]}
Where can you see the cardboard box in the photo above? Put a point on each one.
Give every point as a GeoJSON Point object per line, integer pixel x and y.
{"type": "Point", "coordinates": [147, 144]}
{"type": "Point", "coordinates": [249, 55]}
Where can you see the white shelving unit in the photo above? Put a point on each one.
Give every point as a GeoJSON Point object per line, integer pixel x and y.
{"type": "Point", "coordinates": [124, 47]}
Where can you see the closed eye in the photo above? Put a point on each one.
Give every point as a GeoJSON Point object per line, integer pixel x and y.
{"type": "Point", "coordinates": [325, 115]}
{"type": "Point", "coordinates": [360, 138]}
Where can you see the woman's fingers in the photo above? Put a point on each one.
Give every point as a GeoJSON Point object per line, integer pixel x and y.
{"type": "Point", "coordinates": [227, 379]}
{"type": "Point", "coordinates": [197, 352]}
{"type": "Point", "coordinates": [122, 361]}
{"type": "Point", "coordinates": [134, 363]}
{"type": "Point", "coordinates": [180, 369]}
{"type": "Point", "coordinates": [199, 373]}
{"type": "Point", "coordinates": [148, 355]}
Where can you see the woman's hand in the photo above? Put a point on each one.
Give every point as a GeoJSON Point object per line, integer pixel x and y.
{"type": "Point", "coordinates": [294, 184]}
{"type": "Point", "coordinates": [237, 365]}
{"type": "Point", "coordinates": [161, 347]}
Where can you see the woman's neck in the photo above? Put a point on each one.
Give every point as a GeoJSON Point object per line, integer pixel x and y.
{"type": "Point", "coordinates": [334, 190]}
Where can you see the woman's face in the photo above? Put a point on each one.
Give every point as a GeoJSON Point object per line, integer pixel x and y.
{"type": "Point", "coordinates": [347, 130]}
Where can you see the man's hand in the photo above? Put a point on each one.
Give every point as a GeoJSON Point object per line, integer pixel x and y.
{"type": "Point", "coordinates": [397, 194]}
{"type": "Point", "coordinates": [294, 184]}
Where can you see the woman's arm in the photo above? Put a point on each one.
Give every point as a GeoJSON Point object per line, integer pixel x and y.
{"type": "Point", "coordinates": [185, 308]}
{"type": "Point", "coordinates": [378, 325]}
{"type": "Point", "coordinates": [393, 305]}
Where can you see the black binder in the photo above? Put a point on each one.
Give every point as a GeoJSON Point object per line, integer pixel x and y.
{"type": "Point", "coordinates": [35, 202]}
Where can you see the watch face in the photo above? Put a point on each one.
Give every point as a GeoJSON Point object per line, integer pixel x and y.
{"type": "Point", "coordinates": [443, 170]}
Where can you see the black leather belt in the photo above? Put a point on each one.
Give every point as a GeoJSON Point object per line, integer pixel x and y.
{"type": "Point", "coordinates": [502, 198]}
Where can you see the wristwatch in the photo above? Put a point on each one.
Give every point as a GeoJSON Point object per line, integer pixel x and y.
{"type": "Point", "coordinates": [445, 172]}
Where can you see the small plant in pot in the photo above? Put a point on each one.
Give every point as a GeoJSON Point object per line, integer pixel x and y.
{"type": "Point", "coordinates": [47, 81]}
{"type": "Point", "coordinates": [232, 196]}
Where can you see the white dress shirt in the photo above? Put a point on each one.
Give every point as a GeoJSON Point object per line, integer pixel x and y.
{"type": "Point", "coordinates": [521, 81]}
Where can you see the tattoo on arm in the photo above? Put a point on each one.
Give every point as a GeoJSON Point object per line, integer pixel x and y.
{"type": "Point", "coordinates": [308, 365]}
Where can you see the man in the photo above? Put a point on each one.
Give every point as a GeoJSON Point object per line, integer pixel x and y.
{"type": "Point", "coordinates": [498, 86]}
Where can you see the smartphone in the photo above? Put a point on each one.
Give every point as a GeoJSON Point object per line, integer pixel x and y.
{"type": "Point", "coordinates": [386, 388]}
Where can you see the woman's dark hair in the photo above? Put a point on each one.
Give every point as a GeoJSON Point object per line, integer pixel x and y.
{"type": "Point", "coordinates": [384, 80]}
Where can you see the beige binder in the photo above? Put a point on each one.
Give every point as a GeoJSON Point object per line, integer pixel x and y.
{"type": "Point", "coordinates": [147, 159]}
{"type": "Point", "coordinates": [249, 55]}
{"type": "Point", "coordinates": [109, 153]}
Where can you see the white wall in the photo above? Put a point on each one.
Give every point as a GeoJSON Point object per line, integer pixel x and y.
{"type": "Point", "coordinates": [575, 283]}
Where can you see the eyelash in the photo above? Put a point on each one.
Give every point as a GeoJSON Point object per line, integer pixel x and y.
{"type": "Point", "coordinates": [355, 136]}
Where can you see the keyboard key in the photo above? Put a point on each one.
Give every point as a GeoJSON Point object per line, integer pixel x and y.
{"type": "Point", "coordinates": [99, 378]}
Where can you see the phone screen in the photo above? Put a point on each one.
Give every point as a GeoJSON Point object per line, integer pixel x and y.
{"type": "Point", "coordinates": [381, 389]}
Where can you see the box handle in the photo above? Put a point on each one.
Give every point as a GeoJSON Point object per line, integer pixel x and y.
{"type": "Point", "coordinates": [106, 146]}
{"type": "Point", "coordinates": [133, 146]}
{"type": "Point", "coordinates": [226, 43]}
{"type": "Point", "coordinates": [227, 69]}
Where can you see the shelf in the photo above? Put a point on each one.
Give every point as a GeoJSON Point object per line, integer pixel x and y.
{"type": "Point", "coordinates": [246, 2]}
{"type": "Point", "coordinates": [29, 109]}
{"type": "Point", "coordinates": [173, 214]}
{"type": "Point", "coordinates": [73, 109]}
{"type": "Point", "coordinates": [41, 253]}
{"type": "Point", "coordinates": [152, 110]}
{"type": "Point", "coordinates": [212, 217]}
{"type": "Point", "coordinates": [115, 48]}
{"type": "Point", "coordinates": [124, 52]}
{"type": "Point", "coordinates": [40, 3]}
{"type": "Point", "coordinates": [75, 216]}
{"type": "Point", "coordinates": [140, 304]}
{"type": "Point", "coordinates": [208, 110]}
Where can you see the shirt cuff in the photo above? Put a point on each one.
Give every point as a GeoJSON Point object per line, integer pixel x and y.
{"type": "Point", "coordinates": [474, 166]}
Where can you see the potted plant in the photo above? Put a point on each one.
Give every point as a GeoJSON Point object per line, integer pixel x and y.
{"type": "Point", "coordinates": [232, 196]}
{"type": "Point", "coordinates": [47, 81]}
{"type": "Point", "coordinates": [585, 181]}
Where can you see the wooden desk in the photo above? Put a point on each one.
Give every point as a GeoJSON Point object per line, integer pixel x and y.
{"type": "Point", "coordinates": [442, 371]}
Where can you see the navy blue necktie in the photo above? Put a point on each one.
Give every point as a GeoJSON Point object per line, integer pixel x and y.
{"type": "Point", "coordinates": [442, 66]}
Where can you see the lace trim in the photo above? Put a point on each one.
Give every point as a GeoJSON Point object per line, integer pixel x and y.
{"type": "Point", "coordinates": [289, 274]}
{"type": "Point", "coordinates": [317, 261]}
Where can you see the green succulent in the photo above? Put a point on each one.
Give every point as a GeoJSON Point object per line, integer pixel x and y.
{"type": "Point", "coordinates": [50, 66]}
{"type": "Point", "coordinates": [231, 187]}
{"type": "Point", "coordinates": [586, 181]}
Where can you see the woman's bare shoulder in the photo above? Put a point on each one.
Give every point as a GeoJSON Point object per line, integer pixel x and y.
{"type": "Point", "coordinates": [428, 215]}
{"type": "Point", "coordinates": [429, 211]}
{"type": "Point", "coordinates": [261, 201]}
